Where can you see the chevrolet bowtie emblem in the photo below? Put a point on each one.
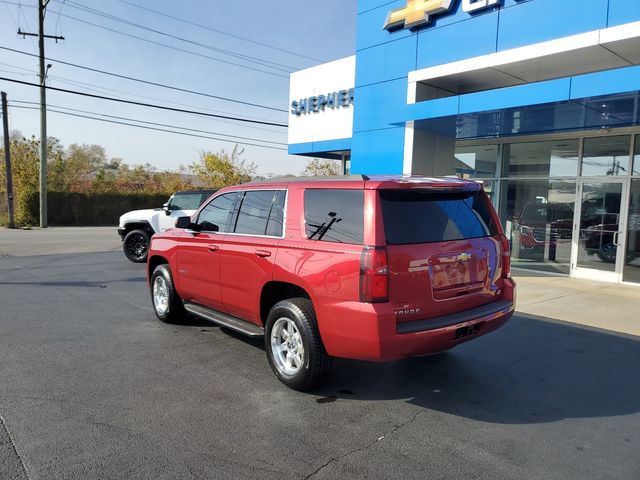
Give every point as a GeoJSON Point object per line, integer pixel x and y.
{"type": "Point", "coordinates": [416, 13]}
{"type": "Point", "coordinates": [463, 257]}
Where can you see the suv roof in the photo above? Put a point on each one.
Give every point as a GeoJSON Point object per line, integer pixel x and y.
{"type": "Point", "coordinates": [372, 182]}
{"type": "Point", "coordinates": [204, 190]}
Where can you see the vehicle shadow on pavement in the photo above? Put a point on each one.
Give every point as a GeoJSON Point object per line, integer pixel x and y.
{"type": "Point", "coordinates": [531, 371]}
{"type": "Point", "coordinates": [194, 321]}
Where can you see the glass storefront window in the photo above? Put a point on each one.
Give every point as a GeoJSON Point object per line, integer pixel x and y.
{"type": "Point", "coordinates": [631, 272]}
{"type": "Point", "coordinates": [472, 162]}
{"type": "Point", "coordinates": [346, 164]}
{"type": "Point", "coordinates": [538, 216]}
{"type": "Point", "coordinates": [599, 223]}
{"type": "Point", "coordinates": [606, 156]}
{"type": "Point", "coordinates": [558, 158]}
{"type": "Point", "coordinates": [636, 157]}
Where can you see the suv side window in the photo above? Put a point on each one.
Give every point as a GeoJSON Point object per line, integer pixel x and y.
{"type": "Point", "coordinates": [276, 217]}
{"type": "Point", "coordinates": [217, 213]}
{"type": "Point", "coordinates": [253, 216]}
{"type": "Point", "coordinates": [333, 215]}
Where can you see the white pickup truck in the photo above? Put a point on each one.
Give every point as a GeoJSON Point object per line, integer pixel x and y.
{"type": "Point", "coordinates": [138, 226]}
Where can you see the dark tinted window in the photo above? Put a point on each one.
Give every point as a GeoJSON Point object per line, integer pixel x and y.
{"type": "Point", "coordinates": [334, 215]}
{"type": "Point", "coordinates": [186, 201]}
{"type": "Point", "coordinates": [254, 212]}
{"type": "Point", "coordinates": [424, 217]}
{"type": "Point", "coordinates": [217, 213]}
{"type": "Point", "coordinates": [276, 218]}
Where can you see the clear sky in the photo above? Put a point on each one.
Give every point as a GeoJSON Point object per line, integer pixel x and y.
{"type": "Point", "coordinates": [322, 31]}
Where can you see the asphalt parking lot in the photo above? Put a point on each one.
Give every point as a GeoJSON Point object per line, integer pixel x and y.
{"type": "Point", "coordinates": [92, 386]}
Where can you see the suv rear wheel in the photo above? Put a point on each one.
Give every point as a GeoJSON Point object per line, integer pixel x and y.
{"type": "Point", "coordinates": [294, 347]}
{"type": "Point", "coordinates": [165, 299]}
{"type": "Point", "coordinates": [136, 246]}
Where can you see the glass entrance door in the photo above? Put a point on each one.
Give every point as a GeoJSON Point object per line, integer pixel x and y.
{"type": "Point", "coordinates": [599, 230]}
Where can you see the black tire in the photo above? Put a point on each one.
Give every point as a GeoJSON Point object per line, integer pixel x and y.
{"type": "Point", "coordinates": [173, 311]}
{"type": "Point", "coordinates": [316, 362]}
{"type": "Point", "coordinates": [607, 253]}
{"type": "Point", "coordinates": [136, 246]}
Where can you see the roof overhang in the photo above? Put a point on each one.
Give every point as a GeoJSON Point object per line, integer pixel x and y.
{"type": "Point", "coordinates": [589, 52]}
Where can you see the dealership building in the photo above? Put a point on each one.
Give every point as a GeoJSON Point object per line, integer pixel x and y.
{"type": "Point", "coordinates": [538, 99]}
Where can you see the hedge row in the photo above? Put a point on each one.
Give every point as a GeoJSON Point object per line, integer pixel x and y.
{"type": "Point", "coordinates": [4, 209]}
{"type": "Point", "coordinates": [80, 209]}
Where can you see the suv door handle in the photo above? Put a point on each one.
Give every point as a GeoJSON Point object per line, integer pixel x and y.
{"type": "Point", "coordinates": [213, 248]}
{"type": "Point", "coordinates": [263, 253]}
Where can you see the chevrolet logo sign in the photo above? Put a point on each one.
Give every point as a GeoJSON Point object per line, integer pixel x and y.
{"type": "Point", "coordinates": [419, 12]}
{"type": "Point", "coordinates": [416, 13]}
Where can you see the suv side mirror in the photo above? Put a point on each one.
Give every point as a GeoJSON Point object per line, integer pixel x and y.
{"type": "Point", "coordinates": [209, 227]}
{"type": "Point", "coordinates": [185, 222]}
{"type": "Point", "coordinates": [167, 208]}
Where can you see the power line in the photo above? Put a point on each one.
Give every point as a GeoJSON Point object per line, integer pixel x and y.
{"type": "Point", "coordinates": [232, 35]}
{"type": "Point", "coordinates": [101, 90]}
{"type": "Point", "coordinates": [26, 23]}
{"type": "Point", "coordinates": [155, 43]}
{"type": "Point", "coordinates": [259, 61]}
{"type": "Point", "coordinates": [148, 82]}
{"type": "Point", "coordinates": [142, 104]}
{"type": "Point", "coordinates": [58, 21]}
{"type": "Point", "coordinates": [152, 128]}
{"type": "Point", "coordinates": [117, 117]}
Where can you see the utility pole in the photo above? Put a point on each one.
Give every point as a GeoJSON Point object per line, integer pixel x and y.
{"type": "Point", "coordinates": [7, 158]}
{"type": "Point", "coordinates": [42, 5]}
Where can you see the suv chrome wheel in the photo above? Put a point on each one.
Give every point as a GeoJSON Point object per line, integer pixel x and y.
{"type": "Point", "coordinates": [287, 347]}
{"type": "Point", "coordinates": [160, 295]}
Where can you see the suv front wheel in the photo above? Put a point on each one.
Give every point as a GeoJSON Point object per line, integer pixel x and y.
{"type": "Point", "coordinates": [293, 344]}
{"type": "Point", "coordinates": [166, 302]}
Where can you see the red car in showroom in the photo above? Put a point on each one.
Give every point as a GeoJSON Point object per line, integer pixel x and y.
{"type": "Point", "coordinates": [532, 226]}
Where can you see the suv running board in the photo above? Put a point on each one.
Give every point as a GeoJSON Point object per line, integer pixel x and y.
{"type": "Point", "coordinates": [229, 321]}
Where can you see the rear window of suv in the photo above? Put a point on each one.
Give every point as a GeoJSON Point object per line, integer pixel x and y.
{"type": "Point", "coordinates": [334, 215]}
{"type": "Point", "coordinates": [412, 216]}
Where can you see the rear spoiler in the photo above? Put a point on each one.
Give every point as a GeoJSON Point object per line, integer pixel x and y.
{"type": "Point", "coordinates": [418, 182]}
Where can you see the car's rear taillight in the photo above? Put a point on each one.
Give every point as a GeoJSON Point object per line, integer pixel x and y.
{"type": "Point", "coordinates": [374, 275]}
{"type": "Point", "coordinates": [506, 256]}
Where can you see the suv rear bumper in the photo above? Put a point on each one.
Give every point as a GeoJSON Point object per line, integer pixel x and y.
{"type": "Point", "coordinates": [370, 331]}
{"type": "Point", "coordinates": [122, 232]}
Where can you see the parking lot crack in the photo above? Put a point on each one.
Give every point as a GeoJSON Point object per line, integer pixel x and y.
{"type": "Point", "coordinates": [365, 447]}
{"type": "Point", "coordinates": [6, 432]}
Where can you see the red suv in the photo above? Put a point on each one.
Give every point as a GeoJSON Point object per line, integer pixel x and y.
{"type": "Point", "coordinates": [370, 268]}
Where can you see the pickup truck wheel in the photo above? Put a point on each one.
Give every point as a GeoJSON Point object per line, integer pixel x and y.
{"type": "Point", "coordinates": [136, 246]}
{"type": "Point", "coordinates": [166, 302]}
{"type": "Point", "coordinates": [607, 253]}
{"type": "Point", "coordinates": [293, 344]}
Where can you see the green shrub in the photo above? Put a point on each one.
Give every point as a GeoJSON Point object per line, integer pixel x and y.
{"type": "Point", "coordinates": [4, 210]}
{"type": "Point", "coordinates": [26, 205]}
